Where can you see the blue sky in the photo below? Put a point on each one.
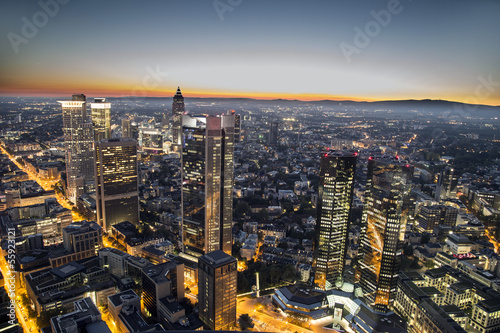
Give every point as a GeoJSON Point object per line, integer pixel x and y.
{"type": "Point", "coordinates": [428, 49]}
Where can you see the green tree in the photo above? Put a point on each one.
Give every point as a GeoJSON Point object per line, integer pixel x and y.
{"type": "Point", "coordinates": [429, 264]}
{"type": "Point", "coordinates": [245, 322]}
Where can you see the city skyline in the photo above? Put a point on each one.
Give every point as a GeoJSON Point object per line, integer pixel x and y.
{"type": "Point", "coordinates": [306, 51]}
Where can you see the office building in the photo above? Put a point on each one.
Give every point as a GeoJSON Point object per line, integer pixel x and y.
{"type": "Point", "coordinates": [384, 222]}
{"type": "Point", "coordinates": [151, 140]}
{"type": "Point", "coordinates": [126, 130]}
{"type": "Point", "coordinates": [446, 187]}
{"type": "Point", "coordinates": [207, 184]}
{"type": "Point", "coordinates": [83, 236]}
{"type": "Point", "coordinates": [217, 277]}
{"type": "Point", "coordinates": [161, 281]}
{"type": "Point", "coordinates": [117, 196]}
{"type": "Point", "coordinates": [85, 318]}
{"type": "Point", "coordinates": [101, 119]}
{"type": "Point", "coordinates": [429, 217]}
{"type": "Point", "coordinates": [334, 206]}
{"type": "Point", "coordinates": [178, 109]}
{"type": "Point", "coordinates": [79, 141]}
{"type": "Point", "coordinates": [273, 133]}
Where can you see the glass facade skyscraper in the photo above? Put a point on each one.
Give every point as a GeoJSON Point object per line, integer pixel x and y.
{"type": "Point", "coordinates": [384, 223]}
{"type": "Point", "coordinates": [79, 141]}
{"type": "Point", "coordinates": [334, 207]}
{"type": "Point", "coordinates": [178, 109]}
{"type": "Point", "coordinates": [117, 198]}
{"type": "Point", "coordinates": [207, 184]}
{"type": "Point", "coordinates": [101, 119]}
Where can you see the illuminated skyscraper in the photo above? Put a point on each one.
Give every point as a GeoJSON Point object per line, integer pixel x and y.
{"type": "Point", "coordinates": [334, 206]}
{"type": "Point", "coordinates": [384, 223]}
{"type": "Point", "coordinates": [178, 109]}
{"type": "Point", "coordinates": [101, 118]}
{"type": "Point", "coordinates": [273, 133]}
{"type": "Point", "coordinates": [79, 141]}
{"type": "Point", "coordinates": [447, 184]}
{"type": "Point", "coordinates": [207, 184]}
{"type": "Point", "coordinates": [117, 197]}
{"type": "Point", "coordinates": [217, 277]}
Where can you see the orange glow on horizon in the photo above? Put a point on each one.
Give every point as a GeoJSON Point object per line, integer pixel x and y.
{"type": "Point", "coordinates": [125, 91]}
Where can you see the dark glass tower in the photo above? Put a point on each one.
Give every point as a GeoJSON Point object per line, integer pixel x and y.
{"type": "Point", "coordinates": [117, 197]}
{"type": "Point", "coordinates": [79, 140]}
{"type": "Point", "coordinates": [207, 184]}
{"type": "Point", "coordinates": [217, 276]}
{"type": "Point", "coordinates": [447, 184]}
{"type": "Point", "coordinates": [334, 206]}
{"type": "Point", "coordinates": [273, 133]}
{"type": "Point", "coordinates": [178, 109]}
{"type": "Point", "coordinates": [384, 222]}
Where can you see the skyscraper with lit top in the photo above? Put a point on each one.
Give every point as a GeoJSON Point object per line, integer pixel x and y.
{"type": "Point", "coordinates": [178, 109]}
{"type": "Point", "coordinates": [79, 141]}
{"type": "Point", "coordinates": [207, 184]}
{"type": "Point", "coordinates": [117, 196]}
{"type": "Point", "coordinates": [334, 209]}
{"type": "Point", "coordinates": [384, 223]}
{"type": "Point", "coordinates": [101, 119]}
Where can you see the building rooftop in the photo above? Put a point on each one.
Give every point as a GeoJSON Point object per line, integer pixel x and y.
{"type": "Point", "coordinates": [217, 258]}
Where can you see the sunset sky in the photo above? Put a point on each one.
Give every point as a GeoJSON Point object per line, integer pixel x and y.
{"type": "Point", "coordinates": [448, 49]}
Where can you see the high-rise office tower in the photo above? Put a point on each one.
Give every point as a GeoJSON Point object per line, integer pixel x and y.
{"type": "Point", "coordinates": [178, 109]}
{"type": "Point", "coordinates": [126, 130]}
{"type": "Point", "coordinates": [447, 184]}
{"type": "Point", "coordinates": [79, 141]}
{"type": "Point", "coordinates": [384, 222]}
{"type": "Point", "coordinates": [207, 184]}
{"type": "Point", "coordinates": [217, 277]}
{"type": "Point", "coordinates": [101, 118]}
{"type": "Point", "coordinates": [117, 197]}
{"type": "Point", "coordinates": [273, 133]}
{"type": "Point", "coordinates": [237, 126]}
{"type": "Point", "coordinates": [334, 206]}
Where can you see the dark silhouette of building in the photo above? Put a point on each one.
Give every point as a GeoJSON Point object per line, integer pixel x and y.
{"type": "Point", "coordinates": [446, 187]}
{"type": "Point", "coordinates": [273, 133]}
{"type": "Point", "coordinates": [217, 279]}
{"type": "Point", "coordinates": [334, 206]}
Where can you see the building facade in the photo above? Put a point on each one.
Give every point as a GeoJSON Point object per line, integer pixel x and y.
{"type": "Point", "coordinates": [384, 222]}
{"type": "Point", "coordinates": [217, 277]}
{"type": "Point", "coordinates": [101, 119]}
{"type": "Point", "coordinates": [178, 109]}
{"type": "Point", "coordinates": [117, 196]}
{"type": "Point", "coordinates": [79, 141]}
{"type": "Point", "coordinates": [207, 184]}
{"type": "Point", "coordinates": [334, 206]}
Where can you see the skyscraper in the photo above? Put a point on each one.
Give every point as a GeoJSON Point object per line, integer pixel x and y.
{"type": "Point", "coordinates": [79, 141]}
{"type": "Point", "coordinates": [117, 197]}
{"type": "Point", "coordinates": [178, 109]}
{"type": "Point", "coordinates": [207, 184]}
{"type": "Point", "coordinates": [101, 118]}
{"type": "Point", "coordinates": [447, 184]}
{"type": "Point", "coordinates": [273, 133]}
{"type": "Point", "coordinates": [384, 222]}
{"type": "Point", "coordinates": [126, 130]}
{"type": "Point", "coordinates": [217, 277]}
{"type": "Point", "coordinates": [334, 207]}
